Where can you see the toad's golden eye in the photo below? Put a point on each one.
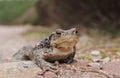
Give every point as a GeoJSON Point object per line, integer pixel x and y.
{"type": "Point", "coordinates": [75, 32]}
{"type": "Point", "coordinates": [58, 33]}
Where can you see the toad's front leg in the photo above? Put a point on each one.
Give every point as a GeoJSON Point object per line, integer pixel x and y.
{"type": "Point", "coordinates": [43, 64]}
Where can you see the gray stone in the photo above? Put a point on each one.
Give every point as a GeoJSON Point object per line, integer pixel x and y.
{"type": "Point", "coordinates": [95, 53]}
{"type": "Point", "coordinates": [106, 60]}
{"type": "Point", "coordinates": [95, 65]}
{"type": "Point", "coordinates": [23, 69]}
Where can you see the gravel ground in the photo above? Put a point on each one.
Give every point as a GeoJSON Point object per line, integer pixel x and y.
{"type": "Point", "coordinates": [11, 40]}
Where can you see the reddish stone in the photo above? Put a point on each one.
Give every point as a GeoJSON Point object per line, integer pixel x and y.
{"type": "Point", "coordinates": [50, 74]}
{"type": "Point", "coordinates": [39, 73]}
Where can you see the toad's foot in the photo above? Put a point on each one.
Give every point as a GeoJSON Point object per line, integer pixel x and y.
{"type": "Point", "coordinates": [49, 67]}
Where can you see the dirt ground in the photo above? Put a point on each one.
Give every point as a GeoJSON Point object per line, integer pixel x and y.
{"type": "Point", "coordinates": [10, 40]}
{"type": "Point", "coordinates": [91, 61]}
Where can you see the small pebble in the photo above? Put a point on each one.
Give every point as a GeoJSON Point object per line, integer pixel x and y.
{"type": "Point", "coordinates": [95, 53]}
{"type": "Point", "coordinates": [118, 53]}
{"type": "Point", "coordinates": [97, 60]}
{"type": "Point", "coordinates": [106, 60]}
{"type": "Point", "coordinates": [95, 65]}
{"type": "Point", "coordinates": [39, 73]}
{"type": "Point", "coordinates": [50, 74]}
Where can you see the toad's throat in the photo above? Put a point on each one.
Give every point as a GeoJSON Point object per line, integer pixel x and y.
{"type": "Point", "coordinates": [65, 43]}
{"type": "Point", "coordinates": [58, 54]}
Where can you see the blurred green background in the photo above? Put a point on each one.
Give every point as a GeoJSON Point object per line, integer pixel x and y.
{"type": "Point", "coordinates": [10, 10]}
{"type": "Point", "coordinates": [100, 14]}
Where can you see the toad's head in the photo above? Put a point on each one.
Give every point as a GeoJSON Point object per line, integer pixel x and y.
{"type": "Point", "coordinates": [64, 40]}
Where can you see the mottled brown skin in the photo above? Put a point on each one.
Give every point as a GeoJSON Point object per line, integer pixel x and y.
{"type": "Point", "coordinates": [58, 46]}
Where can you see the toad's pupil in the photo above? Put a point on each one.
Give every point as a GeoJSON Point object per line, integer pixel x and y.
{"type": "Point", "coordinates": [58, 33]}
{"type": "Point", "coordinates": [76, 32]}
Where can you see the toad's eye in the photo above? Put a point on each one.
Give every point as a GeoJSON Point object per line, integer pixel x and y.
{"type": "Point", "coordinates": [75, 32]}
{"type": "Point", "coordinates": [58, 33]}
